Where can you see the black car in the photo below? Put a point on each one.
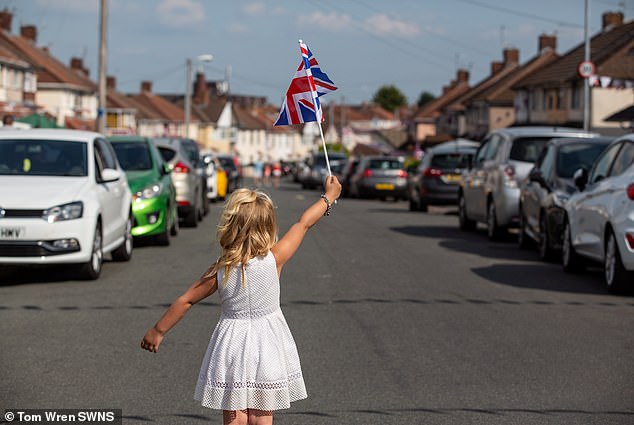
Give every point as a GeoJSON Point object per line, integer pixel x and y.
{"type": "Point", "coordinates": [547, 188]}
{"type": "Point", "coordinates": [379, 177]}
{"type": "Point", "coordinates": [234, 179]}
{"type": "Point", "coordinates": [437, 178]}
{"type": "Point", "coordinates": [346, 173]}
{"type": "Point", "coordinates": [314, 170]}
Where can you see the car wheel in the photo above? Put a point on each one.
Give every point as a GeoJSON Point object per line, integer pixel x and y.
{"type": "Point", "coordinates": [523, 240]}
{"type": "Point", "coordinates": [545, 251]}
{"type": "Point", "coordinates": [200, 211]}
{"type": "Point", "coordinates": [494, 232]}
{"type": "Point", "coordinates": [463, 219]}
{"type": "Point", "coordinates": [124, 251]}
{"type": "Point", "coordinates": [615, 276]}
{"type": "Point", "coordinates": [91, 269]}
{"type": "Point", "coordinates": [570, 260]}
{"type": "Point", "coordinates": [164, 238]}
{"type": "Point", "coordinates": [175, 226]}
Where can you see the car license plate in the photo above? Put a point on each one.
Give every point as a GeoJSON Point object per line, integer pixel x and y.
{"type": "Point", "coordinates": [384, 186]}
{"type": "Point", "coordinates": [7, 232]}
{"type": "Point", "coordinates": [452, 178]}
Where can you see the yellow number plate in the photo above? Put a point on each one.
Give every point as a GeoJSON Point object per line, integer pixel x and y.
{"type": "Point", "coordinates": [384, 186]}
{"type": "Point", "coordinates": [452, 178]}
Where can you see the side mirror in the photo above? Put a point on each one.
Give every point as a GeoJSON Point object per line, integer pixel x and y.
{"type": "Point", "coordinates": [537, 176]}
{"type": "Point", "coordinates": [110, 175]}
{"type": "Point", "coordinates": [580, 178]}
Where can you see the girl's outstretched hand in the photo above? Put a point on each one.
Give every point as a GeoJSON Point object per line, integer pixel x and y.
{"type": "Point", "coordinates": [333, 188]}
{"type": "Point", "coordinates": [152, 340]}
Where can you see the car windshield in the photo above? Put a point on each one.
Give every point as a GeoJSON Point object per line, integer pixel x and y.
{"type": "Point", "coordinates": [133, 156]}
{"type": "Point", "coordinates": [528, 149]}
{"type": "Point", "coordinates": [578, 155]}
{"type": "Point", "coordinates": [43, 158]}
{"type": "Point", "coordinates": [451, 160]}
{"type": "Point", "coordinates": [385, 164]}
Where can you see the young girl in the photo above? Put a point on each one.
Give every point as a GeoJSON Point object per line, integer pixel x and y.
{"type": "Point", "coordinates": [251, 367]}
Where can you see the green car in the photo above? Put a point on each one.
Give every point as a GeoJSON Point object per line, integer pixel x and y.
{"type": "Point", "coordinates": [153, 194]}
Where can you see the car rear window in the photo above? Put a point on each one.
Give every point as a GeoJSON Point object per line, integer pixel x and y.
{"type": "Point", "coordinates": [451, 160]}
{"type": "Point", "coordinates": [133, 156]}
{"type": "Point", "coordinates": [43, 158]}
{"type": "Point", "coordinates": [574, 156]}
{"type": "Point", "coordinates": [167, 153]}
{"type": "Point", "coordinates": [527, 149]}
{"type": "Point", "coordinates": [385, 164]}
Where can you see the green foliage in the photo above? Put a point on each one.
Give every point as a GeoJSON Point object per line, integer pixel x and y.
{"type": "Point", "coordinates": [411, 163]}
{"type": "Point", "coordinates": [389, 98]}
{"type": "Point", "coordinates": [425, 97]}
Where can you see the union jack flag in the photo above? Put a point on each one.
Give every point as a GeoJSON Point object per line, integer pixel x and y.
{"type": "Point", "coordinates": [301, 103]}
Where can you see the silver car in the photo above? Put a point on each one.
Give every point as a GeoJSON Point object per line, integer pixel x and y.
{"type": "Point", "coordinates": [599, 222]}
{"type": "Point", "coordinates": [183, 156]}
{"type": "Point", "coordinates": [489, 191]}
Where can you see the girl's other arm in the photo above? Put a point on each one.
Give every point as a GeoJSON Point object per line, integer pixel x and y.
{"type": "Point", "coordinates": [201, 289]}
{"type": "Point", "coordinates": [286, 247]}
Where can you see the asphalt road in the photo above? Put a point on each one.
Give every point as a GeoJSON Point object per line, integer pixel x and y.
{"type": "Point", "coordinates": [399, 318]}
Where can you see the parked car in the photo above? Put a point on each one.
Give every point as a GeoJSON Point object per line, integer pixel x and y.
{"type": "Point", "coordinates": [230, 165]}
{"type": "Point", "coordinates": [599, 222]}
{"type": "Point", "coordinates": [64, 199]}
{"type": "Point", "coordinates": [379, 177]}
{"type": "Point", "coordinates": [183, 157]}
{"type": "Point", "coordinates": [549, 185]}
{"type": "Point", "coordinates": [346, 173]}
{"type": "Point", "coordinates": [154, 196]}
{"type": "Point", "coordinates": [313, 173]}
{"type": "Point", "coordinates": [436, 179]}
{"type": "Point", "coordinates": [489, 191]}
{"type": "Point", "coordinates": [216, 177]}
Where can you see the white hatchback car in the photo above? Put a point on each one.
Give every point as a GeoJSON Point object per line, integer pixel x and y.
{"type": "Point", "coordinates": [600, 217]}
{"type": "Point", "coordinates": [63, 199]}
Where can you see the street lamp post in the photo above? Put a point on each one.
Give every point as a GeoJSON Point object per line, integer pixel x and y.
{"type": "Point", "coordinates": [188, 89]}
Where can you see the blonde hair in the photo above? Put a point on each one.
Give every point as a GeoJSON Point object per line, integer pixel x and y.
{"type": "Point", "coordinates": [247, 229]}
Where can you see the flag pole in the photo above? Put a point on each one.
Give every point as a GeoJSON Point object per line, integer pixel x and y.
{"type": "Point", "coordinates": [318, 111]}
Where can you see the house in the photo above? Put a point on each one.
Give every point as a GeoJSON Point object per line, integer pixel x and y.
{"type": "Point", "coordinates": [17, 84]}
{"type": "Point", "coordinates": [554, 95]}
{"type": "Point", "coordinates": [121, 110]}
{"type": "Point", "coordinates": [422, 126]}
{"type": "Point", "coordinates": [65, 92]}
{"type": "Point", "coordinates": [493, 107]}
{"type": "Point", "coordinates": [453, 118]}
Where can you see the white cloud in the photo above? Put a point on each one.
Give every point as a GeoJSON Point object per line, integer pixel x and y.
{"type": "Point", "coordinates": [385, 25]}
{"type": "Point", "coordinates": [253, 8]}
{"type": "Point", "coordinates": [329, 22]}
{"type": "Point", "coordinates": [180, 13]}
{"type": "Point", "coordinates": [236, 28]}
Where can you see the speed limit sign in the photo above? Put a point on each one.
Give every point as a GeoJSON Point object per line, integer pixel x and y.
{"type": "Point", "coordinates": [586, 69]}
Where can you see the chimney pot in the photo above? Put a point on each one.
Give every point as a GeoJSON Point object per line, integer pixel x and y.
{"type": "Point", "coordinates": [77, 63]}
{"type": "Point", "coordinates": [611, 20]}
{"type": "Point", "coordinates": [5, 20]}
{"type": "Point", "coordinates": [201, 94]}
{"type": "Point", "coordinates": [463, 76]}
{"type": "Point", "coordinates": [146, 87]}
{"type": "Point", "coordinates": [496, 67]}
{"type": "Point", "coordinates": [29, 32]}
{"type": "Point", "coordinates": [511, 56]}
{"type": "Point", "coordinates": [111, 83]}
{"type": "Point", "coordinates": [547, 42]}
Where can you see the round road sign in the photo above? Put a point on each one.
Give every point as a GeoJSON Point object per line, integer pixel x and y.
{"type": "Point", "coordinates": [586, 69]}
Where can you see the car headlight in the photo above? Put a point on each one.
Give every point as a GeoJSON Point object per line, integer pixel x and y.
{"type": "Point", "coordinates": [149, 192]}
{"type": "Point", "coordinates": [64, 212]}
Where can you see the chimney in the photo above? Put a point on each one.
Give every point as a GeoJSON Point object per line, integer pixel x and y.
{"type": "Point", "coordinates": [462, 76]}
{"type": "Point", "coordinates": [5, 20]}
{"type": "Point", "coordinates": [29, 32]}
{"type": "Point", "coordinates": [511, 56]}
{"type": "Point", "coordinates": [611, 20]}
{"type": "Point", "coordinates": [547, 42]}
{"type": "Point", "coordinates": [111, 83]}
{"type": "Point", "coordinates": [77, 64]}
{"type": "Point", "coordinates": [146, 87]}
{"type": "Point", "coordinates": [496, 67]}
{"type": "Point", "coordinates": [445, 89]}
{"type": "Point", "coordinates": [201, 94]}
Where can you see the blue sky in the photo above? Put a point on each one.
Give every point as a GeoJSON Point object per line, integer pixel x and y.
{"type": "Point", "coordinates": [416, 45]}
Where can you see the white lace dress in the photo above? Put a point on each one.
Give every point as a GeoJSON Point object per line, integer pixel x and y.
{"type": "Point", "coordinates": [251, 361]}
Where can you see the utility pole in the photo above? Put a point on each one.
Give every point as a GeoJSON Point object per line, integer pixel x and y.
{"type": "Point", "coordinates": [586, 81]}
{"type": "Point", "coordinates": [188, 95]}
{"type": "Point", "coordinates": [101, 111]}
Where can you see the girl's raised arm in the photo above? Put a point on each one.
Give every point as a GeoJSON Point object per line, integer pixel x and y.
{"type": "Point", "coordinates": [205, 286]}
{"type": "Point", "coordinates": [286, 247]}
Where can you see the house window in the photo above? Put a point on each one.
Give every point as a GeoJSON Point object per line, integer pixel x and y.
{"type": "Point", "coordinates": [561, 93]}
{"type": "Point", "coordinates": [544, 96]}
{"type": "Point", "coordinates": [575, 95]}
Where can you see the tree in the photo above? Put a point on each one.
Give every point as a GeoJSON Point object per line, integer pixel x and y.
{"type": "Point", "coordinates": [425, 97]}
{"type": "Point", "coordinates": [390, 98]}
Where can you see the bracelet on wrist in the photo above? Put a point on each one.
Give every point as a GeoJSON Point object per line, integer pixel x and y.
{"type": "Point", "coordinates": [328, 204]}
